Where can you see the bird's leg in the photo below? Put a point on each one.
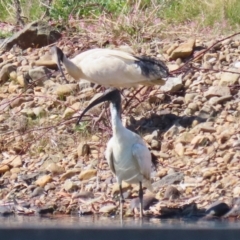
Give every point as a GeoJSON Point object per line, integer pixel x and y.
{"type": "Point", "coordinates": [121, 200]}
{"type": "Point", "coordinates": [141, 199]}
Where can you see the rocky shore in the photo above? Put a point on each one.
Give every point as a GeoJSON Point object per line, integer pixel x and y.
{"type": "Point", "coordinates": [191, 125]}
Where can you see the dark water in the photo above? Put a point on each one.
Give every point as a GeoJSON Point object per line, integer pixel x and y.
{"type": "Point", "coordinates": [106, 228]}
{"type": "Point", "coordinates": [114, 222]}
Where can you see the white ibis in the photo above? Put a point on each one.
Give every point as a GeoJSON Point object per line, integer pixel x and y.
{"type": "Point", "coordinates": [112, 68]}
{"type": "Point", "coordinates": [127, 154]}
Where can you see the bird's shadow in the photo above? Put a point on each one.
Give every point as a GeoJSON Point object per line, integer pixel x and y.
{"type": "Point", "coordinates": [162, 122]}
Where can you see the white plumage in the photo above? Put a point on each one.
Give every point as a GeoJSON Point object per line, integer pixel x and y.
{"type": "Point", "coordinates": [112, 68]}
{"type": "Point", "coordinates": [127, 154]}
{"type": "Point", "coordinates": [128, 157]}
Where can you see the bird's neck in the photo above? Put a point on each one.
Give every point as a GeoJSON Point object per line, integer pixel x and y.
{"type": "Point", "coordinates": [72, 68]}
{"type": "Point", "coordinates": [116, 119]}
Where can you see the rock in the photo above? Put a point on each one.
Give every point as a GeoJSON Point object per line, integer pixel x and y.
{"type": "Point", "coordinates": [55, 169]}
{"type": "Point", "coordinates": [229, 181]}
{"type": "Point", "coordinates": [13, 76]}
{"type": "Point", "coordinates": [169, 179]}
{"type": "Point", "coordinates": [199, 140]}
{"type": "Point", "coordinates": [46, 61]}
{"type": "Point", "coordinates": [172, 131]}
{"type": "Point", "coordinates": [206, 111]}
{"type": "Point", "coordinates": [155, 144]}
{"type": "Point", "coordinates": [17, 102]}
{"type": "Point", "coordinates": [125, 187]}
{"type": "Point", "coordinates": [236, 191]}
{"type": "Point", "coordinates": [126, 48]}
{"type": "Point", "coordinates": [22, 123]}
{"type": "Point", "coordinates": [148, 138]}
{"type": "Point", "coordinates": [87, 174]}
{"type": "Point", "coordinates": [218, 91]}
{"type": "Point", "coordinates": [72, 109]}
{"type": "Point", "coordinates": [210, 57]}
{"type": "Point", "coordinates": [231, 119]}
{"type": "Point", "coordinates": [217, 209]}
{"type": "Point", "coordinates": [49, 159]}
{"type": "Point", "coordinates": [228, 78]}
{"type": "Point", "coordinates": [173, 84]}
{"type": "Point", "coordinates": [4, 105]}
{"type": "Point", "coordinates": [208, 173]}
{"type": "Point", "coordinates": [224, 99]}
{"type": "Point", "coordinates": [37, 34]}
{"type": "Point", "coordinates": [83, 195]}
{"type": "Point", "coordinates": [4, 168]}
{"type": "Point", "coordinates": [86, 93]}
{"type": "Point", "coordinates": [236, 64]}
{"type": "Point", "coordinates": [46, 210]}
{"type": "Point", "coordinates": [43, 180]}
{"type": "Point", "coordinates": [189, 97]}
{"type": "Point", "coordinates": [155, 98]}
{"type": "Point", "coordinates": [171, 49]}
{"type": "Point", "coordinates": [15, 170]}
{"type": "Point", "coordinates": [70, 173]}
{"type": "Point", "coordinates": [12, 87]}
{"type": "Point", "coordinates": [208, 129]}
{"type": "Point", "coordinates": [228, 157]}
{"type": "Point", "coordinates": [69, 185]}
{"type": "Point", "coordinates": [66, 89]}
{"type": "Point", "coordinates": [6, 71]}
{"type": "Point", "coordinates": [178, 100]}
{"type": "Point", "coordinates": [39, 111]}
{"type": "Point", "coordinates": [171, 193]}
{"type": "Point", "coordinates": [6, 210]}
{"type": "Point", "coordinates": [213, 100]}
{"type": "Point", "coordinates": [37, 192]}
{"type": "Point", "coordinates": [29, 178]}
{"type": "Point", "coordinates": [16, 162]}
{"type": "Point", "coordinates": [183, 50]}
{"type": "Point", "coordinates": [162, 173]}
{"type": "Point", "coordinates": [185, 138]}
{"type": "Point", "coordinates": [193, 106]}
{"type": "Point", "coordinates": [148, 200]}
{"type": "Point", "coordinates": [235, 211]}
{"type": "Point", "coordinates": [179, 149]}
{"type": "Point", "coordinates": [28, 112]}
{"type": "Point", "coordinates": [39, 74]}
{"type": "Point", "coordinates": [50, 186]}
{"type": "Point", "coordinates": [95, 138]}
{"type": "Point", "coordinates": [172, 67]}
{"type": "Point", "coordinates": [108, 209]}
{"type": "Point", "coordinates": [83, 149]}
{"type": "Point", "coordinates": [21, 80]}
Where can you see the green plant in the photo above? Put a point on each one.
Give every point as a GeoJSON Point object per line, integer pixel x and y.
{"type": "Point", "coordinates": [206, 13]}
{"type": "Point", "coordinates": [65, 9]}
{"type": "Point", "coordinates": [83, 128]}
{"type": "Point", "coordinates": [5, 34]}
{"type": "Point", "coordinates": [132, 15]}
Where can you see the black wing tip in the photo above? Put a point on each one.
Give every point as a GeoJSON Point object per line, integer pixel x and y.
{"type": "Point", "coordinates": [152, 66]}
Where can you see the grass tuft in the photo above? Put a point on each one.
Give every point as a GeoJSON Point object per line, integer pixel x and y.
{"type": "Point", "coordinates": [134, 17]}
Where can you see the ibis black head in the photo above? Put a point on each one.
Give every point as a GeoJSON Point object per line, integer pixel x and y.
{"type": "Point", "coordinates": [112, 95]}
{"type": "Point", "coordinates": [58, 56]}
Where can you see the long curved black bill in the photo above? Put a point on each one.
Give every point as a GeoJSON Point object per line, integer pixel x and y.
{"type": "Point", "coordinates": [107, 96]}
{"type": "Point", "coordinates": [59, 57]}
